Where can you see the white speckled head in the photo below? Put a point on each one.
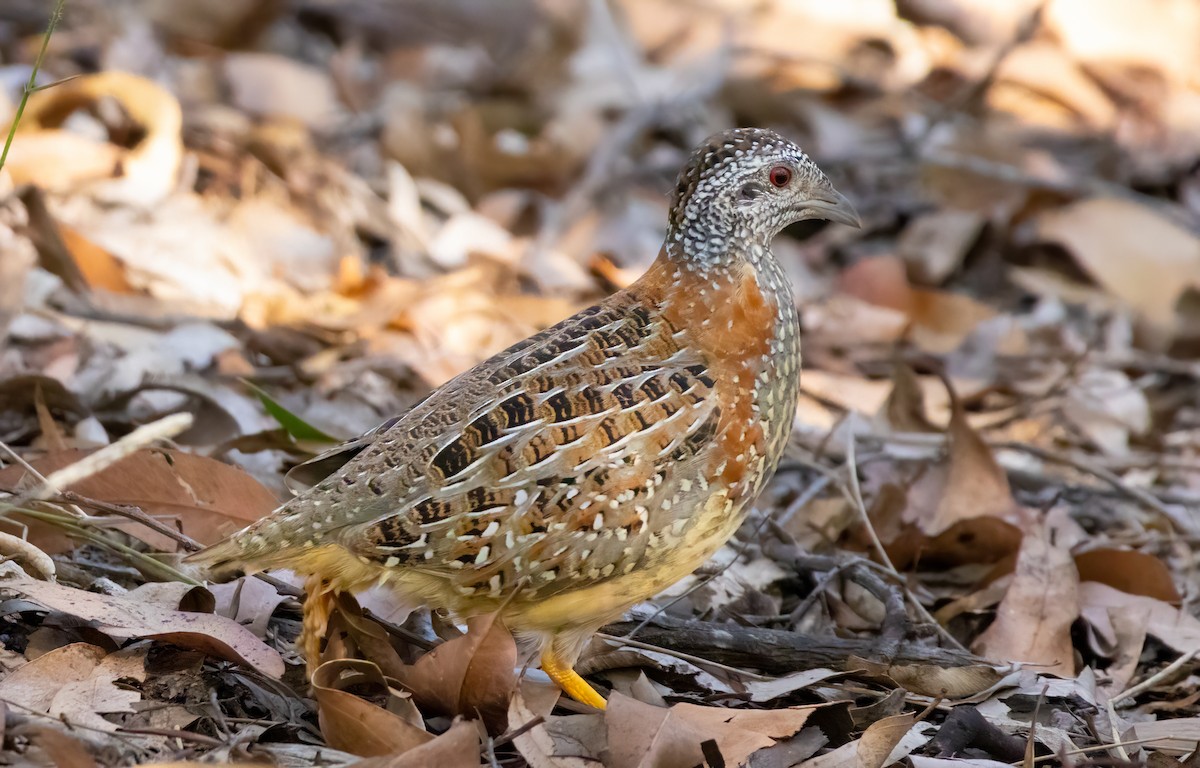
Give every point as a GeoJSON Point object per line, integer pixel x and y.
{"type": "Point", "coordinates": [740, 188]}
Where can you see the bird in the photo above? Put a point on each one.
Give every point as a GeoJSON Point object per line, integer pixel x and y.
{"type": "Point", "coordinates": [593, 465]}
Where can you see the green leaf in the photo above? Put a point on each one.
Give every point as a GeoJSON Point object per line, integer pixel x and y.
{"type": "Point", "coordinates": [295, 426]}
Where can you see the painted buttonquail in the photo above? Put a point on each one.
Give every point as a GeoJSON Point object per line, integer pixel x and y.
{"type": "Point", "coordinates": [593, 465]}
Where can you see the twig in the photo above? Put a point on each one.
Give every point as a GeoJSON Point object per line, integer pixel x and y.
{"type": "Point", "coordinates": [137, 515]}
{"type": "Point", "coordinates": [507, 737]}
{"type": "Point", "coordinates": [1136, 690]}
{"type": "Point", "coordinates": [779, 651]}
{"type": "Point", "coordinates": [97, 462]}
{"type": "Point", "coordinates": [856, 498]}
{"type": "Point", "coordinates": [1097, 748]}
{"type": "Point", "coordinates": [697, 660]}
{"type": "Point", "coordinates": [32, 470]}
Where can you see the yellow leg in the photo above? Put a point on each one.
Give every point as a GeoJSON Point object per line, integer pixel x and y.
{"type": "Point", "coordinates": [569, 680]}
{"type": "Point", "coordinates": [318, 606]}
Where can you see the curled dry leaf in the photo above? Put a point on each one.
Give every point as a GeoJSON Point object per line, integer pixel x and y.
{"type": "Point", "coordinates": [975, 484]}
{"type": "Point", "coordinates": [1130, 571]}
{"type": "Point", "coordinates": [473, 675]}
{"type": "Point", "coordinates": [353, 724]}
{"type": "Point", "coordinates": [1033, 621]}
{"type": "Point", "coordinates": [961, 510]}
{"type": "Point", "coordinates": [456, 748]}
{"type": "Point", "coordinates": [125, 617]}
{"type": "Point", "coordinates": [148, 170]}
{"type": "Point", "coordinates": [208, 498]}
{"type": "Point", "coordinates": [929, 680]}
{"type": "Point", "coordinates": [33, 560]}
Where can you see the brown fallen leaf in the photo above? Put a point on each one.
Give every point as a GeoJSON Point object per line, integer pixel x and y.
{"type": "Point", "coordinates": [352, 635]}
{"type": "Point", "coordinates": [1131, 571]}
{"type": "Point", "coordinates": [353, 724]}
{"type": "Point", "coordinates": [885, 742]}
{"type": "Point", "coordinates": [209, 498]}
{"type": "Point", "coordinates": [473, 675]}
{"type": "Point", "coordinates": [930, 680]}
{"type": "Point", "coordinates": [958, 511]}
{"type": "Point", "coordinates": [1137, 255]}
{"type": "Point", "coordinates": [880, 738]}
{"type": "Point", "coordinates": [125, 617]}
{"type": "Point", "coordinates": [573, 741]}
{"type": "Point", "coordinates": [456, 748]}
{"type": "Point", "coordinates": [641, 735]}
{"type": "Point", "coordinates": [35, 684]}
{"type": "Point", "coordinates": [1174, 627]}
{"type": "Point", "coordinates": [975, 483]}
{"type": "Point", "coordinates": [63, 750]}
{"type": "Point", "coordinates": [1033, 621]}
{"type": "Point", "coordinates": [143, 174]}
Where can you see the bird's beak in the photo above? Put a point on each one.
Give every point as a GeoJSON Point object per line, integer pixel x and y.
{"type": "Point", "coordinates": [833, 206]}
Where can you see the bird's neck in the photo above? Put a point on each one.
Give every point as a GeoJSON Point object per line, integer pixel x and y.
{"type": "Point", "coordinates": [712, 236]}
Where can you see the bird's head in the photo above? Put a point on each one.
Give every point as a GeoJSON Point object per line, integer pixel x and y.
{"type": "Point", "coordinates": [743, 187]}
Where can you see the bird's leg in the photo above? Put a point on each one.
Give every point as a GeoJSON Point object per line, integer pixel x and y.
{"type": "Point", "coordinates": [566, 678]}
{"type": "Point", "coordinates": [319, 601]}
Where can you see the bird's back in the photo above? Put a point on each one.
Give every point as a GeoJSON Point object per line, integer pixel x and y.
{"type": "Point", "coordinates": [624, 440]}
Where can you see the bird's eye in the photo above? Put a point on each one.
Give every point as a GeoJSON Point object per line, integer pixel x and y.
{"type": "Point", "coordinates": [781, 175]}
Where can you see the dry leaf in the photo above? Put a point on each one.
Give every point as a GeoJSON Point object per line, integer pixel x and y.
{"type": "Point", "coordinates": [456, 748]}
{"type": "Point", "coordinates": [1177, 629]}
{"type": "Point", "coordinates": [868, 751]}
{"type": "Point", "coordinates": [930, 680]}
{"type": "Point", "coordinates": [209, 499]}
{"type": "Point", "coordinates": [35, 684]}
{"type": "Point", "coordinates": [63, 750]}
{"type": "Point", "coordinates": [973, 485]}
{"type": "Point", "coordinates": [148, 170]}
{"type": "Point", "coordinates": [1131, 571]}
{"type": "Point", "coordinates": [1033, 621]}
{"type": "Point", "coordinates": [641, 735]}
{"type": "Point", "coordinates": [125, 617]}
{"type": "Point", "coordinates": [354, 724]}
{"type": "Point", "coordinates": [933, 245]}
{"type": "Point", "coordinates": [880, 738]}
{"type": "Point", "coordinates": [1136, 255]}
{"type": "Point", "coordinates": [547, 745]}
{"type": "Point", "coordinates": [473, 675]}
{"type": "Point", "coordinates": [1107, 407]}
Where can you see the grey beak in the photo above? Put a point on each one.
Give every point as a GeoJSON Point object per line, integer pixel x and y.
{"type": "Point", "coordinates": [833, 206]}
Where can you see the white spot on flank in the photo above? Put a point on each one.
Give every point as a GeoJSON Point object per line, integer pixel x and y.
{"type": "Point", "coordinates": [482, 557]}
{"type": "Point", "coordinates": [492, 528]}
{"type": "Point", "coordinates": [391, 562]}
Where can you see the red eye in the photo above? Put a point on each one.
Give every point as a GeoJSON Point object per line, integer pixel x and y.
{"type": "Point", "coordinates": [781, 175]}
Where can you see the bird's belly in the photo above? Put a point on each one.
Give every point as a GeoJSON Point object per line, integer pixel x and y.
{"type": "Point", "coordinates": [597, 604]}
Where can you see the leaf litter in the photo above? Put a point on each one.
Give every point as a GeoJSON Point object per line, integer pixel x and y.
{"type": "Point", "coordinates": [292, 222]}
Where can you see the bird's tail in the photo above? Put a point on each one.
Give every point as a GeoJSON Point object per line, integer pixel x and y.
{"type": "Point", "coordinates": [220, 562]}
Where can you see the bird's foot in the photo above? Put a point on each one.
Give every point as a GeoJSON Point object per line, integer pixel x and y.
{"type": "Point", "coordinates": [570, 682]}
